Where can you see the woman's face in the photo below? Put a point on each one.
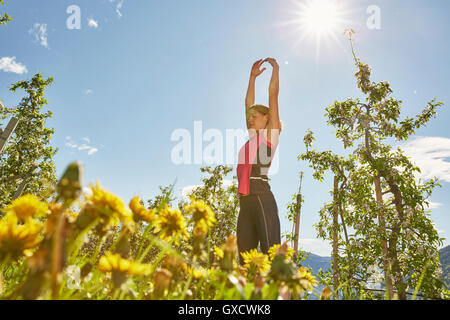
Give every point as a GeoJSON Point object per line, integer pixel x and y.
{"type": "Point", "coordinates": [257, 120]}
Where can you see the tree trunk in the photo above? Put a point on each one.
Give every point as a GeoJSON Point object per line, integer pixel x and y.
{"type": "Point", "coordinates": [382, 229]}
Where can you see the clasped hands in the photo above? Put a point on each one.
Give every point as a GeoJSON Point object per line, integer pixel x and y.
{"type": "Point", "coordinates": [256, 71]}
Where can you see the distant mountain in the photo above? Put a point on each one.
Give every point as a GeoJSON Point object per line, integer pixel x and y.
{"type": "Point", "coordinates": [316, 262]}
{"type": "Point", "coordinates": [444, 256]}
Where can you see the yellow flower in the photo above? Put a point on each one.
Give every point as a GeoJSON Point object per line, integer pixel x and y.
{"type": "Point", "coordinates": [198, 273]}
{"type": "Point", "coordinates": [161, 280]}
{"type": "Point", "coordinates": [226, 254]}
{"type": "Point", "coordinates": [273, 251]}
{"type": "Point", "coordinates": [169, 223]}
{"type": "Point", "coordinates": [18, 239]}
{"type": "Point", "coordinates": [200, 230]}
{"type": "Point", "coordinates": [109, 208]}
{"type": "Point", "coordinates": [306, 279]}
{"type": "Point", "coordinates": [72, 215]}
{"type": "Point", "coordinates": [326, 293]}
{"type": "Point", "coordinates": [26, 207]}
{"type": "Point", "coordinates": [218, 252]}
{"type": "Point", "coordinates": [303, 271]}
{"type": "Point", "coordinates": [115, 263]}
{"type": "Point", "coordinates": [202, 214]}
{"type": "Point", "coordinates": [228, 263]}
{"type": "Point", "coordinates": [140, 212]}
{"type": "Point", "coordinates": [256, 261]}
{"type": "Point", "coordinates": [176, 265]}
{"type": "Point", "coordinates": [230, 244]}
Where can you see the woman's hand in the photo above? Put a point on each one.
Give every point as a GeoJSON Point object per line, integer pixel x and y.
{"type": "Point", "coordinates": [273, 62]}
{"type": "Point", "coordinates": [255, 68]}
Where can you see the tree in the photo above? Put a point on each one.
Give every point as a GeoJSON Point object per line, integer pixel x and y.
{"type": "Point", "coordinates": [294, 209]}
{"type": "Point", "coordinates": [381, 204]}
{"type": "Point", "coordinates": [5, 18]}
{"type": "Point", "coordinates": [166, 196]}
{"type": "Point", "coordinates": [28, 157]}
{"type": "Point", "coordinates": [223, 201]}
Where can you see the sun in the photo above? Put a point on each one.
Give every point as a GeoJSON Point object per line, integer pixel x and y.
{"type": "Point", "coordinates": [318, 21]}
{"type": "Point", "coordinates": [320, 17]}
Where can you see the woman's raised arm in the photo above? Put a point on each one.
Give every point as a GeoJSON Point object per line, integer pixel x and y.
{"type": "Point", "coordinates": [274, 88]}
{"type": "Point", "coordinates": [255, 72]}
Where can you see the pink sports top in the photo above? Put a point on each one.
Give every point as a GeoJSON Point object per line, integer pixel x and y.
{"type": "Point", "coordinates": [254, 160]}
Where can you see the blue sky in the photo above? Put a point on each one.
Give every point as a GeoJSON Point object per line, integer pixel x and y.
{"type": "Point", "coordinates": [138, 70]}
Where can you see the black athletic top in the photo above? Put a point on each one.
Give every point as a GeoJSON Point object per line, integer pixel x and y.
{"type": "Point", "coordinates": [252, 175]}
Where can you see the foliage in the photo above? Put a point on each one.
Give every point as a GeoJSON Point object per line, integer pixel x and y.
{"type": "Point", "coordinates": [49, 263]}
{"type": "Point", "coordinates": [384, 224]}
{"type": "Point", "coordinates": [213, 193]}
{"type": "Point", "coordinates": [28, 155]}
{"type": "Point", "coordinates": [5, 18]}
{"type": "Point", "coordinates": [166, 196]}
{"type": "Point", "coordinates": [293, 208]}
{"type": "Point", "coordinates": [223, 200]}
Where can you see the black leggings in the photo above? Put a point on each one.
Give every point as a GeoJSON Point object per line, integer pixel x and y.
{"type": "Point", "coordinates": [257, 222]}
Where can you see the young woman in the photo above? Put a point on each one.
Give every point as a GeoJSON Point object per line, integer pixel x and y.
{"type": "Point", "coordinates": [258, 220]}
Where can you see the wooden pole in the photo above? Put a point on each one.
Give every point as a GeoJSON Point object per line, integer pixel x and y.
{"type": "Point", "coordinates": [335, 238]}
{"type": "Point", "coordinates": [297, 221]}
{"type": "Point", "coordinates": [4, 135]}
{"type": "Point", "coordinates": [297, 215]}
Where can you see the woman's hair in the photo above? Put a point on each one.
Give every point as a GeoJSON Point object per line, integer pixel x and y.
{"type": "Point", "coordinates": [264, 110]}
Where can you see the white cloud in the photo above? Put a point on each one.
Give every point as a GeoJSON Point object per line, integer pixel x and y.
{"type": "Point", "coordinates": [71, 145]}
{"type": "Point", "coordinates": [227, 183]}
{"type": "Point", "coordinates": [92, 23]}
{"type": "Point", "coordinates": [92, 151]}
{"type": "Point", "coordinates": [39, 32]}
{"type": "Point", "coordinates": [440, 231]}
{"type": "Point", "coordinates": [89, 92]}
{"type": "Point", "coordinates": [82, 147]}
{"type": "Point", "coordinates": [434, 205]}
{"type": "Point", "coordinates": [188, 189]}
{"type": "Point", "coordinates": [118, 8]}
{"type": "Point", "coordinates": [316, 246]}
{"type": "Point", "coordinates": [8, 64]}
{"type": "Point", "coordinates": [431, 155]}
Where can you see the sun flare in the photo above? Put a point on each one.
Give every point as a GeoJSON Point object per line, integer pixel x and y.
{"type": "Point", "coordinates": [320, 17]}
{"type": "Point", "coordinates": [318, 21]}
